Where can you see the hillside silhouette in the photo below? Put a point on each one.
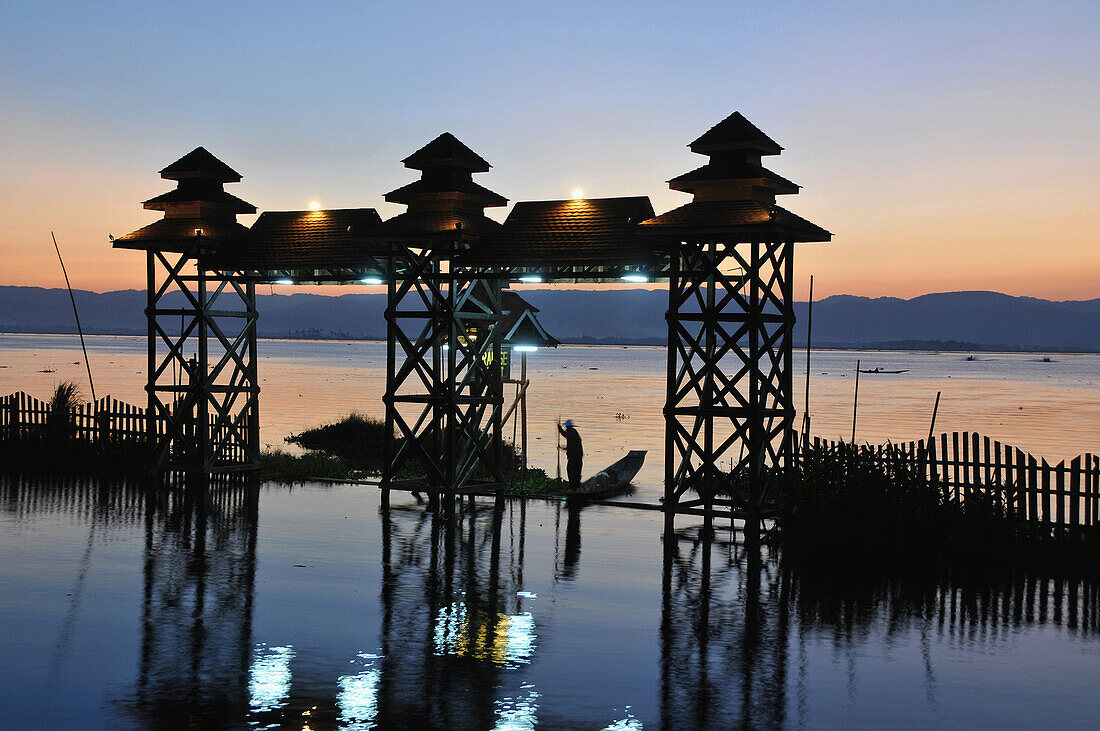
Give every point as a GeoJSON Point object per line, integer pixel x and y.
{"type": "Point", "coordinates": [949, 320]}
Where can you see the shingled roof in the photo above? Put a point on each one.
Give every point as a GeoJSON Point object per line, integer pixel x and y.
{"type": "Point", "coordinates": [436, 224]}
{"type": "Point", "coordinates": [563, 232]}
{"type": "Point", "coordinates": [734, 195]}
{"type": "Point", "coordinates": [735, 133]}
{"type": "Point", "coordinates": [180, 234]}
{"type": "Point", "coordinates": [326, 239]}
{"type": "Point", "coordinates": [198, 212]}
{"type": "Point", "coordinates": [445, 202]}
{"type": "Point", "coordinates": [446, 151]}
{"type": "Point", "coordinates": [725, 169]}
{"type": "Point", "coordinates": [196, 191]}
{"type": "Point", "coordinates": [742, 220]}
{"type": "Point", "coordinates": [199, 163]}
{"type": "Point", "coordinates": [437, 187]}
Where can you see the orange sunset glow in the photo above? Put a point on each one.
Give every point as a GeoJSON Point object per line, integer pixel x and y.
{"type": "Point", "coordinates": [936, 165]}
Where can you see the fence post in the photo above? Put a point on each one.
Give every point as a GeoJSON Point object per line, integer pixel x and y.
{"type": "Point", "coordinates": [944, 468]}
{"type": "Point", "coordinates": [1033, 488]}
{"type": "Point", "coordinates": [1060, 492]}
{"type": "Point", "coordinates": [1075, 491]}
{"type": "Point", "coordinates": [1046, 491]}
{"type": "Point", "coordinates": [987, 463]}
{"type": "Point", "coordinates": [1090, 490]}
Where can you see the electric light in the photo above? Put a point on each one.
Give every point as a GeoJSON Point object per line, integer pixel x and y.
{"type": "Point", "coordinates": [578, 194]}
{"type": "Point", "coordinates": [284, 281]}
{"type": "Point", "coordinates": [635, 278]}
{"type": "Point", "coordinates": [371, 280]}
{"type": "Point", "coordinates": [525, 348]}
{"type": "Point", "coordinates": [314, 206]}
{"type": "Point", "coordinates": [530, 279]}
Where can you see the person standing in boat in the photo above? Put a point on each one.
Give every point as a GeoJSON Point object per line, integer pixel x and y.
{"type": "Point", "coordinates": [573, 453]}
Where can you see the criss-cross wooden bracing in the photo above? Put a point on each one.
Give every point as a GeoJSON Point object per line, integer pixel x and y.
{"type": "Point", "coordinates": [203, 384]}
{"type": "Point", "coordinates": [444, 384]}
{"type": "Point", "coordinates": [727, 256]}
{"type": "Point", "coordinates": [729, 409]}
{"type": "Point", "coordinates": [444, 389]}
{"type": "Point", "coordinates": [203, 390]}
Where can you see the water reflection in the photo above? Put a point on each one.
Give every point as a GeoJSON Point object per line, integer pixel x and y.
{"type": "Point", "coordinates": [731, 620]}
{"type": "Point", "coordinates": [724, 635]}
{"type": "Point", "coordinates": [197, 576]}
{"type": "Point", "coordinates": [196, 624]}
{"type": "Point", "coordinates": [456, 635]}
{"type": "Point", "coordinates": [454, 618]}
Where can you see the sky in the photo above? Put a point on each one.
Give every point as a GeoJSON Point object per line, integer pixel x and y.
{"type": "Point", "coordinates": [947, 146]}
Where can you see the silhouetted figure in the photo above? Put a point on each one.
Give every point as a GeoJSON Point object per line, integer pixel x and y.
{"type": "Point", "coordinates": [573, 453]}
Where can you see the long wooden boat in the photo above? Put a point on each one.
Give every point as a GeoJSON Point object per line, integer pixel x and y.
{"type": "Point", "coordinates": [611, 480]}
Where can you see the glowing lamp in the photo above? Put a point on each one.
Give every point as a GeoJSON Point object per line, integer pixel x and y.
{"type": "Point", "coordinates": [371, 280]}
{"type": "Point", "coordinates": [638, 278]}
{"type": "Point", "coordinates": [314, 206]}
{"type": "Point", "coordinates": [284, 281]}
{"type": "Point", "coordinates": [530, 279]}
{"type": "Point", "coordinates": [525, 348]}
{"type": "Point", "coordinates": [578, 194]}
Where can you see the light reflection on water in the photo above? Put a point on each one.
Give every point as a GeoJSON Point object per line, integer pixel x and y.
{"type": "Point", "coordinates": [309, 606]}
{"type": "Point", "coordinates": [269, 677]}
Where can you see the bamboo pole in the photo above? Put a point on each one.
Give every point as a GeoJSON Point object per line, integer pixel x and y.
{"type": "Point", "coordinates": [935, 410]}
{"type": "Point", "coordinates": [558, 432]}
{"type": "Point", "coordinates": [76, 315]}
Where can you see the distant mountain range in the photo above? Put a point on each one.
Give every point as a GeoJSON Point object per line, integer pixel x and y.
{"type": "Point", "coordinates": [950, 320]}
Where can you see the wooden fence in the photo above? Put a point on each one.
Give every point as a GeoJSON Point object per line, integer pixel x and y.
{"type": "Point", "coordinates": [109, 419]}
{"type": "Point", "coordinates": [967, 463]}
{"type": "Point", "coordinates": [105, 419]}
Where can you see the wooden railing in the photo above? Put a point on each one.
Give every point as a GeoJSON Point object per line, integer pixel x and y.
{"type": "Point", "coordinates": [967, 463]}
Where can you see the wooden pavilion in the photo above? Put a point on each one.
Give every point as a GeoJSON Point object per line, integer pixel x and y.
{"type": "Point", "coordinates": [728, 258]}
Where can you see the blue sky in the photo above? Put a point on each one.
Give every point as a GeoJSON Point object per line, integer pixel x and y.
{"type": "Point", "coordinates": [921, 132]}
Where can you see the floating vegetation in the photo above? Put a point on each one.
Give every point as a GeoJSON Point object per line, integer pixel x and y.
{"type": "Point", "coordinates": [358, 440]}
{"type": "Point", "coordinates": [279, 466]}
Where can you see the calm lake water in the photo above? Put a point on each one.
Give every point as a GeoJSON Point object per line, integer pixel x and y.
{"type": "Point", "coordinates": [615, 394]}
{"type": "Point", "coordinates": [307, 607]}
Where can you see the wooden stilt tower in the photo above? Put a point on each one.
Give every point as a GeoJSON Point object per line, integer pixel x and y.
{"type": "Point", "coordinates": [202, 383]}
{"type": "Point", "coordinates": [444, 385]}
{"type": "Point", "coordinates": [729, 410]}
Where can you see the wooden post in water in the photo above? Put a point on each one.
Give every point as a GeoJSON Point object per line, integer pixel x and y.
{"type": "Point", "coordinates": [523, 408]}
{"type": "Point", "coordinates": [855, 404]}
{"type": "Point", "coordinates": [809, 334]}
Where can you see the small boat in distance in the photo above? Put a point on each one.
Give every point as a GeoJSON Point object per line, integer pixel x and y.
{"type": "Point", "coordinates": [879, 370]}
{"type": "Point", "coordinates": [610, 480]}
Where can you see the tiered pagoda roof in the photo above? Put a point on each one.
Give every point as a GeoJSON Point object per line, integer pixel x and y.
{"type": "Point", "coordinates": [733, 198]}
{"type": "Point", "coordinates": [445, 200]}
{"type": "Point", "coordinates": [198, 209]}
{"type": "Point", "coordinates": [734, 195]}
